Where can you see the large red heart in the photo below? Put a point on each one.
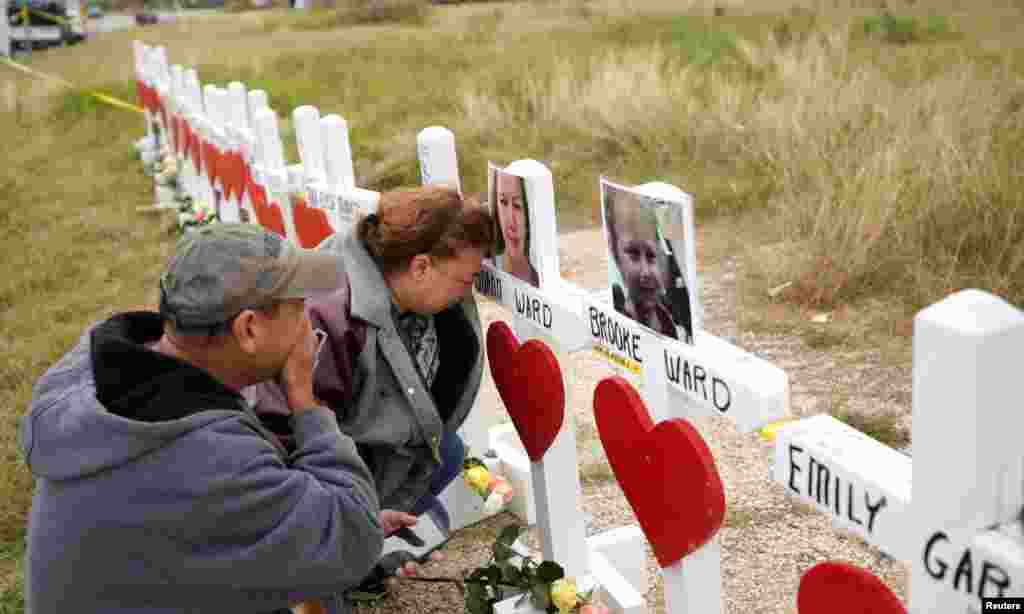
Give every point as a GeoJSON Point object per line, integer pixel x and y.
{"type": "Point", "coordinates": [834, 587]}
{"type": "Point", "coordinates": [311, 224]}
{"type": "Point", "coordinates": [267, 215]}
{"type": "Point", "coordinates": [529, 382]}
{"type": "Point", "coordinates": [666, 472]}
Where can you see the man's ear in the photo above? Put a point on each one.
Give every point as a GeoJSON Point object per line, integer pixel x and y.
{"type": "Point", "coordinates": [248, 329]}
{"type": "Point", "coordinates": [420, 266]}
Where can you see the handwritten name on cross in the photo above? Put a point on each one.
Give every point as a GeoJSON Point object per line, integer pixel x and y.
{"type": "Point", "coordinates": [969, 476]}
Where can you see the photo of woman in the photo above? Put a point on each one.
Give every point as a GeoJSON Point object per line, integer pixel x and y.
{"type": "Point", "coordinates": [512, 221]}
{"type": "Point", "coordinates": [647, 282]}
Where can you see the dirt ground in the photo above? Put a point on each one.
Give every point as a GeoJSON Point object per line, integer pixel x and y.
{"type": "Point", "coordinates": [768, 540]}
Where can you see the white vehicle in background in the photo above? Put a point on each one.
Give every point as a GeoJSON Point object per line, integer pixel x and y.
{"type": "Point", "coordinates": [36, 24]}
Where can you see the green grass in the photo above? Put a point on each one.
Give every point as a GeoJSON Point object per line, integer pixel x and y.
{"type": "Point", "coordinates": [892, 171]}
{"type": "Point", "coordinates": [906, 30]}
{"type": "Point", "coordinates": [12, 599]}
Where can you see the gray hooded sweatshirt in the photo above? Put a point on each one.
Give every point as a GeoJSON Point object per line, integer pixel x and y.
{"type": "Point", "coordinates": [158, 491]}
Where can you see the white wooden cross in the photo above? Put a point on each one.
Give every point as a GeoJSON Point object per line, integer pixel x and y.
{"type": "Point", "coordinates": [140, 54]}
{"type": "Point", "coordinates": [712, 377]}
{"type": "Point", "coordinates": [969, 462]}
{"type": "Point", "coordinates": [5, 32]}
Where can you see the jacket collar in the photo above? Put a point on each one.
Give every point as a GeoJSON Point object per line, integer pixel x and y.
{"type": "Point", "coordinates": [135, 382]}
{"type": "Point", "coordinates": [370, 295]}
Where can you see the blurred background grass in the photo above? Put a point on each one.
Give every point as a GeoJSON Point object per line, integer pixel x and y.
{"type": "Point", "coordinates": [865, 157]}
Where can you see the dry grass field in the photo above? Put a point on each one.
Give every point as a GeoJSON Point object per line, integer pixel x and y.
{"type": "Point", "coordinates": [867, 154]}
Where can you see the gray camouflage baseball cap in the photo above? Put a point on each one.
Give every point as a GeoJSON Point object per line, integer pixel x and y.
{"type": "Point", "coordinates": [219, 270]}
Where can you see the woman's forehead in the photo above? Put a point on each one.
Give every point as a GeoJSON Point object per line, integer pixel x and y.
{"type": "Point", "coordinates": [509, 183]}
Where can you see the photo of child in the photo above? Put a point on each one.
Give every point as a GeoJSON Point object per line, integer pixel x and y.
{"type": "Point", "coordinates": [645, 268]}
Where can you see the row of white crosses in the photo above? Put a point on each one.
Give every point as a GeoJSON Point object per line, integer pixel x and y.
{"type": "Point", "coordinates": [955, 523]}
{"type": "Point", "coordinates": [239, 130]}
{"type": "Point", "coordinates": [678, 380]}
{"type": "Point", "coordinates": [962, 537]}
{"type": "Point", "coordinates": [325, 175]}
{"type": "Point", "coordinates": [864, 484]}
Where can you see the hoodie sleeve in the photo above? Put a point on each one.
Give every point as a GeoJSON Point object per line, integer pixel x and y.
{"type": "Point", "coordinates": [304, 529]}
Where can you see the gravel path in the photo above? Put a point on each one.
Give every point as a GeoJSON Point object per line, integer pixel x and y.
{"type": "Point", "coordinates": [768, 540]}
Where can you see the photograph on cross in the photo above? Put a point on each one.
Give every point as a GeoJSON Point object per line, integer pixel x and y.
{"type": "Point", "coordinates": [649, 273]}
{"type": "Point", "coordinates": [507, 196]}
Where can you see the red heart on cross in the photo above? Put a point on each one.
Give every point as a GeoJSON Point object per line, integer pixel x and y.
{"type": "Point", "coordinates": [666, 472]}
{"type": "Point", "coordinates": [530, 384]}
{"type": "Point", "coordinates": [311, 225]}
{"type": "Point", "coordinates": [211, 160]}
{"type": "Point", "coordinates": [268, 215]}
{"type": "Point", "coordinates": [835, 587]}
{"type": "Point", "coordinates": [230, 174]}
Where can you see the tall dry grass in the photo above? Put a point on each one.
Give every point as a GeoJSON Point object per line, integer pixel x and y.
{"type": "Point", "coordinates": [913, 186]}
{"type": "Point", "coordinates": [906, 181]}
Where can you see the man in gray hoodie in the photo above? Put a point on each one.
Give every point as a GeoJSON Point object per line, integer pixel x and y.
{"type": "Point", "coordinates": [157, 489]}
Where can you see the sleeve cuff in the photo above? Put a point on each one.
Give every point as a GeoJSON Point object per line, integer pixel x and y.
{"type": "Point", "coordinates": [312, 422]}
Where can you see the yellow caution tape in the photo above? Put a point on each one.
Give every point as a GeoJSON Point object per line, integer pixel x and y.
{"type": "Point", "coordinates": [105, 98]}
{"type": "Point", "coordinates": [770, 430]}
{"type": "Point", "coordinates": [51, 17]}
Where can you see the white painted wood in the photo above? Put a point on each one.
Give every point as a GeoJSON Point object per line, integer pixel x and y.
{"type": "Point", "coordinates": [863, 485]}
{"type": "Point", "coordinates": [438, 161]}
{"type": "Point", "coordinates": [694, 584]}
{"type": "Point", "coordinates": [966, 429]}
{"type": "Point", "coordinates": [625, 549]}
{"type": "Point", "coordinates": [177, 107]}
{"type": "Point", "coordinates": [224, 132]}
{"type": "Point", "coordinates": [719, 378]}
{"type": "Point", "coordinates": [237, 103]}
{"type": "Point", "coordinates": [272, 174]}
{"type": "Point", "coordinates": [257, 102]}
{"type": "Point", "coordinates": [306, 120]}
{"type": "Point", "coordinates": [515, 466]}
{"type": "Point", "coordinates": [337, 149]}
{"type": "Point", "coordinates": [540, 194]}
{"type": "Point", "coordinates": [553, 310]}
{"type": "Point", "coordinates": [999, 554]}
{"type": "Point", "coordinates": [557, 495]}
{"type": "Point", "coordinates": [270, 143]}
{"type": "Point", "coordinates": [617, 591]}
{"type": "Point", "coordinates": [965, 446]}
{"type": "Point", "coordinates": [139, 51]}
{"type": "Point", "coordinates": [5, 32]}
{"type": "Point", "coordinates": [345, 207]}
{"type": "Point", "coordinates": [194, 110]}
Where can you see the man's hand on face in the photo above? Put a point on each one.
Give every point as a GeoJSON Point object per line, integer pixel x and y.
{"type": "Point", "coordinates": [297, 374]}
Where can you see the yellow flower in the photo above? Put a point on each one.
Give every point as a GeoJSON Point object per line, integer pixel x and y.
{"type": "Point", "coordinates": [563, 594]}
{"type": "Point", "coordinates": [477, 478]}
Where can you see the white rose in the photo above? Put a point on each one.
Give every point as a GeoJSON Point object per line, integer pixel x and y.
{"type": "Point", "coordinates": [494, 504]}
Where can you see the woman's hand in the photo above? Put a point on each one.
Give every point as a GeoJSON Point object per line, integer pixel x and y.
{"type": "Point", "coordinates": [392, 521]}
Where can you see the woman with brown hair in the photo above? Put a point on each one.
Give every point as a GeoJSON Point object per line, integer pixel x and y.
{"type": "Point", "coordinates": [401, 355]}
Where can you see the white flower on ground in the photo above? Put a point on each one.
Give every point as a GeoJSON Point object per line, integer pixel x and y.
{"type": "Point", "coordinates": [494, 504]}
